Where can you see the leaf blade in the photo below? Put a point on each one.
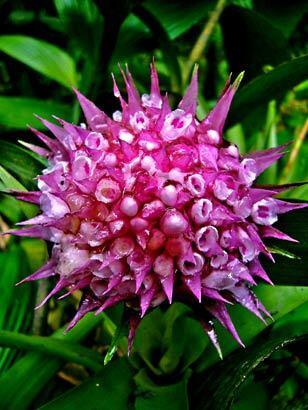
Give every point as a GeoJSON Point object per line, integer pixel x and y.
{"type": "Point", "coordinates": [26, 108]}
{"type": "Point", "coordinates": [41, 56]}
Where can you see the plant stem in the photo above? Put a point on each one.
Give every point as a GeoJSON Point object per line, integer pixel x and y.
{"type": "Point", "coordinates": [202, 41]}
{"type": "Point", "coordinates": [299, 139]}
{"type": "Point", "coordinates": [40, 367]}
{"type": "Point", "coordinates": [71, 352]}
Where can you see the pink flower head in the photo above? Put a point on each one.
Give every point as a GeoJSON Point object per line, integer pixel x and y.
{"type": "Point", "coordinates": [153, 205]}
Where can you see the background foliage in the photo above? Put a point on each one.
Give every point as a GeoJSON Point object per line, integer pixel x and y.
{"type": "Point", "coordinates": [46, 48]}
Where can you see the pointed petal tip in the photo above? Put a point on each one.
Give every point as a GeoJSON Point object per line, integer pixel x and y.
{"type": "Point", "coordinates": [238, 80]}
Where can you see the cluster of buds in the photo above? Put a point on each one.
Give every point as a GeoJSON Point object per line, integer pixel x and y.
{"type": "Point", "coordinates": [152, 203]}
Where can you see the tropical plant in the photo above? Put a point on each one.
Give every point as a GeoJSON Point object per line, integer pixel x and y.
{"type": "Point", "coordinates": [46, 50]}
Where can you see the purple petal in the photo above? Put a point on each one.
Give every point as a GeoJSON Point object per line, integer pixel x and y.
{"type": "Point", "coordinates": [214, 294]}
{"type": "Point", "coordinates": [284, 207]}
{"type": "Point", "coordinates": [256, 269]}
{"type": "Point", "coordinates": [266, 158]}
{"type": "Point", "coordinates": [45, 271]}
{"type": "Point", "coordinates": [57, 131]}
{"type": "Point", "coordinates": [30, 196]}
{"type": "Point", "coordinates": [53, 145]}
{"type": "Point", "coordinates": [93, 114]}
{"type": "Point", "coordinates": [146, 299]}
{"type": "Point", "coordinates": [189, 101]}
{"type": "Point", "coordinates": [215, 120]}
{"type": "Point", "coordinates": [271, 232]}
{"type": "Point", "coordinates": [133, 325]}
{"type": "Point", "coordinates": [59, 286]}
{"type": "Point", "coordinates": [219, 311]}
{"type": "Point", "coordinates": [167, 284]}
{"type": "Point", "coordinates": [193, 282]}
{"type": "Point", "coordinates": [87, 305]}
{"type": "Point", "coordinates": [245, 297]}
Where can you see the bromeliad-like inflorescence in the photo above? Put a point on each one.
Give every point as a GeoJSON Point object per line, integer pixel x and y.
{"type": "Point", "coordinates": [153, 204]}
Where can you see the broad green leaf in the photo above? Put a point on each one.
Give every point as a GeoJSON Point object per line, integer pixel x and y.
{"type": "Point", "coordinates": [169, 53]}
{"type": "Point", "coordinates": [248, 4]}
{"type": "Point", "coordinates": [31, 373]}
{"type": "Point", "coordinates": [251, 41]}
{"type": "Point", "coordinates": [41, 56]}
{"type": "Point", "coordinates": [148, 341]}
{"type": "Point", "coordinates": [10, 208]}
{"type": "Point", "coordinates": [292, 324]}
{"type": "Point", "coordinates": [164, 396]}
{"type": "Point", "coordinates": [216, 390]}
{"type": "Point", "coordinates": [186, 345]}
{"type": "Point", "coordinates": [154, 337]}
{"type": "Point", "coordinates": [133, 38]}
{"type": "Point", "coordinates": [267, 87]}
{"type": "Point", "coordinates": [278, 300]}
{"type": "Point", "coordinates": [18, 112]}
{"type": "Point", "coordinates": [82, 23]}
{"type": "Point", "coordinates": [10, 183]}
{"type": "Point", "coordinates": [17, 302]}
{"type": "Point", "coordinates": [109, 389]}
{"type": "Point", "coordinates": [20, 162]}
{"type": "Point", "coordinates": [291, 258]}
{"type": "Point", "coordinates": [284, 16]}
{"type": "Point", "coordinates": [179, 16]}
{"type": "Point", "coordinates": [36, 252]}
{"type": "Point", "coordinates": [70, 352]}
{"type": "Point", "coordinates": [169, 342]}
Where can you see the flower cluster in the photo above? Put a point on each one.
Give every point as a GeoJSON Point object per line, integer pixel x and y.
{"type": "Point", "coordinates": [153, 203]}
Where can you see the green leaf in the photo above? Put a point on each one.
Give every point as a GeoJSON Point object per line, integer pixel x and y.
{"type": "Point", "coordinates": [17, 112]}
{"type": "Point", "coordinates": [286, 16]}
{"type": "Point", "coordinates": [169, 53]}
{"type": "Point", "coordinates": [292, 324]}
{"type": "Point", "coordinates": [217, 389]}
{"type": "Point", "coordinates": [179, 16]}
{"type": "Point", "coordinates": [35, 251]}
{"type": "Point", "coordinates": [163, 397]}
{"type": "Point", "coordinates": [82, 23]}
{"type": "Point", "coordinates": [169, 342]}
{"type": "Point", "coordinates": [33, 371]}
{"type": "Point", "coordinates": [109, 389]}
{"type": "Point", "coordinates": [70, 352]}
{"type": "Point", "coordinates": [10, 183]}
{"type": "Point", "coordinates": [261, 43]}
{"type": "Point", "coordinates": [132, 39]}
{"type": "Point", "coordinates": [41, 56]}
{"type": "Point", "coordinates": [17, 302]}
{"type": "Point", "coordinates": [10, 208]}
{"type": "Point", "coordinates": [118, 333]}
{"type": "Point", "coordinates": [20, 162]}
{"type": "Point", "coordinates": [185, 347]}
{"type": "Point", "coordinates": [291, 258]}
{"type": "Point", "coordinates": [148, 341]}
{"type": "Point", "coordinates": [278, 300]}
{"type": "Point", "coordinates": [267, 87]}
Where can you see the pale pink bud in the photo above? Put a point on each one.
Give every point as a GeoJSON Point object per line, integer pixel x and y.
{"type": "Point", "coordinates": [201, 210]}
{"type": "Point", "coordinates": [173, 223]}
{"type": "Point", "coordinates": [196, 185]}
{"type": "Point", "coordinates": [107, 191]}
{"type": "Point", "coordinates": [129, 206]}
{"type": "Point", "coordinates": [169, 195]}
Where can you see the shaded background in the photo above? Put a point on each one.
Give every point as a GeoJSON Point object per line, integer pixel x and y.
{"type": "Point", "coordinates": [46, 48]}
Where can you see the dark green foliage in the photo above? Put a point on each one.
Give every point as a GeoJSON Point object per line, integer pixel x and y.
{"type": "Point", "coordinates": [48, 47]}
